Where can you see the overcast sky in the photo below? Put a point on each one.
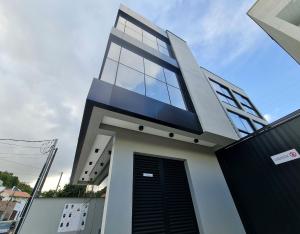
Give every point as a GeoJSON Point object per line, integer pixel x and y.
{"type": "Point", "coordinates": [51, 50]}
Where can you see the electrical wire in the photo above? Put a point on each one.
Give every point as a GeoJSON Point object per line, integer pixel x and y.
{"type": "Point", "coordinates": [19, 154]}
{"type": "Point", "coordinates": [17, 140]}
{"type": "Point", "coordinates": [25, 146]}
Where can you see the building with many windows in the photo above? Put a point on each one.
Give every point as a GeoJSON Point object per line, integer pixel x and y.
{"type": "Point", "coordinates": [151, 125]}
{"type": "Point", "coordinates": [281, 20]}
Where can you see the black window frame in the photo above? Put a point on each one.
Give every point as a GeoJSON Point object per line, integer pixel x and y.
{"type": "Point", "coordinates": [224, 95]}
{"type": "Point", "coordinates": [148, 30]}
{"type": "Point", "coordinates": [124, 44]}
{"type": "Point", "coordinates": [246, 105]}
{"type": "Point", "coordinates": [244, 118]}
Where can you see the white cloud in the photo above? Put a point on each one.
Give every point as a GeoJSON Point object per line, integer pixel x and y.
{"type": "Point", "coordinates": [268, 117]}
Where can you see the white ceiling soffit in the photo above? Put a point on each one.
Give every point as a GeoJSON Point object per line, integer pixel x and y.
{"type": "Point", "coordinates": [153, 131]}
{"type": "Point", "coordinates": [99, 145]}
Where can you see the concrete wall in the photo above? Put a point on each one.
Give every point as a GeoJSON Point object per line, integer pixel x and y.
{"type": "Point", "coordinates": [215, 210]}
{"type": "Point", "coordinates": [269, 15]}
{"type": "Point", "coordinates": [210, 112]}
{"type": "Point", "coordinates": [45, 213]}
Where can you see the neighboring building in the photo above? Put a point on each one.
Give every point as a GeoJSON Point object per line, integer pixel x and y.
{"type": "Point", "coordinates": [151, 124]}
{"type": "Point", "coordinates": [15, 195]}
{"type": "Point", "coordinates": [12, 202]}
{"type": "Point", "coordinates": [244, 116]}
{"type": "Point", "coordinates": [281, 20]}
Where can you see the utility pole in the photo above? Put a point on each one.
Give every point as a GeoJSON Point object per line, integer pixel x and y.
{"type": "Point", "coordinates": [59, 181]}
{"type": "Point", "coordinates": [38, 185]}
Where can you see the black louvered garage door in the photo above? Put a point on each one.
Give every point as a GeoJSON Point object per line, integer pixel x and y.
{"type": "Point", "coordinates": [162, 200]}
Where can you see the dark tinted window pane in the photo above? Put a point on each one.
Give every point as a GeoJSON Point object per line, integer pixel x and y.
{"type": "Point", "coordinates": [132, 60]}
{"type": "Point", "coordinates": [154, 70]}
{"type": "Point", "coordinates": [157, 90]}
{"type": "Point", "coordinates": [176, 97]}
{"type": "Point", "coordinates": [130, 79]}
{"type": "Point", "coordinates": [171, 78]}
{"type": "Point", "coordinates": [114, 51]}
{"type": "Point", "coordinates": [109, 71]}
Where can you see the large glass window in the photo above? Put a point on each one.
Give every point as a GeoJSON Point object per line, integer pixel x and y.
{"type": "Point", "coordinates": [133, 72]}
{"type": "Point", "coordinates": [241, 123]}
{"type": "Point", "coordinates": [258, 125]}
{"type": "Point", "coordinates": [247, 106]}
{"type": "Point", "coordinates": [223, 93]}
{"type": "Point", "coordinates": [142, 35]}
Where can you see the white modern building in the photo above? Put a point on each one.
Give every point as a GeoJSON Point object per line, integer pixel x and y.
{"type": "Point", "coordinates": [151, 125]}
{"type": "Point", "coordinates": [281, 20]}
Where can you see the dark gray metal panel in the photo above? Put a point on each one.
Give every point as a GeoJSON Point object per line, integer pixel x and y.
{"type": "Point", "coordinates": [267, 196]}
{"type": "Point", "coordinates": [121, 100]}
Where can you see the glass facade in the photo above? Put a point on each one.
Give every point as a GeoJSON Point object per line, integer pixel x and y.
{"type": "Point", "coordinates": [242, 124]}
{"type": "Point", "coordinates": [133, 72]}
{"type": "Point", "coordinates": [143, 36]}
{"type": "Point", "coordinates": [247, 106]}
{"type": "Point", "coordinates": [223, 93]}
{"type": "Point", "coordinates": [258, 125]}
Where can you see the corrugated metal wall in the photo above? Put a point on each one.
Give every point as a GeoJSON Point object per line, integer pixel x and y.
{"type": "Point", "coordinates": [45, 214]}
{"type": "Point", "coordinates": [266, 195]}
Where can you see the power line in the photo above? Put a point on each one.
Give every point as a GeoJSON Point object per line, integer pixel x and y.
{"type": "Point", "coordinates": [25, 146]}
{"type": "Point", "coordinates": [22, 154]}
{"type": "Point", "coordinates": [11, 139]}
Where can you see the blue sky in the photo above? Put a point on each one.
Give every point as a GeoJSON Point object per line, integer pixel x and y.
{"type": "Point", "coordinates": [50, 51]}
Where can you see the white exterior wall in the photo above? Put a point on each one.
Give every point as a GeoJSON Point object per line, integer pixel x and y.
{"type": "Point", "coordinates": [210, 112]}
{"type": "Point", "coordinates": [215, 210]}
{"type": "Point", "coordinates": [269, 16]}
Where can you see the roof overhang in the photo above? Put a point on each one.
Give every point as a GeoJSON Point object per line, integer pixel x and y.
{"type": "Point", "coordinates": [110, 105]}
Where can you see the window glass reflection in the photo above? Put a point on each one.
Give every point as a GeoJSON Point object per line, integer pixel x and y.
{"type": "Point", "coordinates": [132, 60]}
{"type": "Point", "coordinates": [154, 70]}
{"type": "Point", "coordinates": [142, 35]}
{"type": "Point", "coordinates": [156, 89]}
{"type": "Point", "coordinates": [114, 51]}
{"type": "Point", "coordinates": [130, 79]}
{"type": "Point", "coordinates": [176, 97]}
{"type": "Point", "coordinates": [150, 42]}
{"type": "Point", "coordinates": [133, 33]}
{"type": "Point", "coordinates": [164, 50]}
{"type": "Point", "coordinates": [109, 71]}
{"type": "Point", "coordinates": [171, 78]}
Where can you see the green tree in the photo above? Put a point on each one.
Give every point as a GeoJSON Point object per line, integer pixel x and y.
{"type": "Point", "coordinates": [10, 180]}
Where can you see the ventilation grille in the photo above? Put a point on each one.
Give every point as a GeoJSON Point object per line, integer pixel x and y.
{"type": "Point", "coordinates": [161, 198]}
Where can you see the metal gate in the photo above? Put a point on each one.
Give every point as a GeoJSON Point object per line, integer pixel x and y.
{"type": "Point", "coordinates": [162, 200]}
